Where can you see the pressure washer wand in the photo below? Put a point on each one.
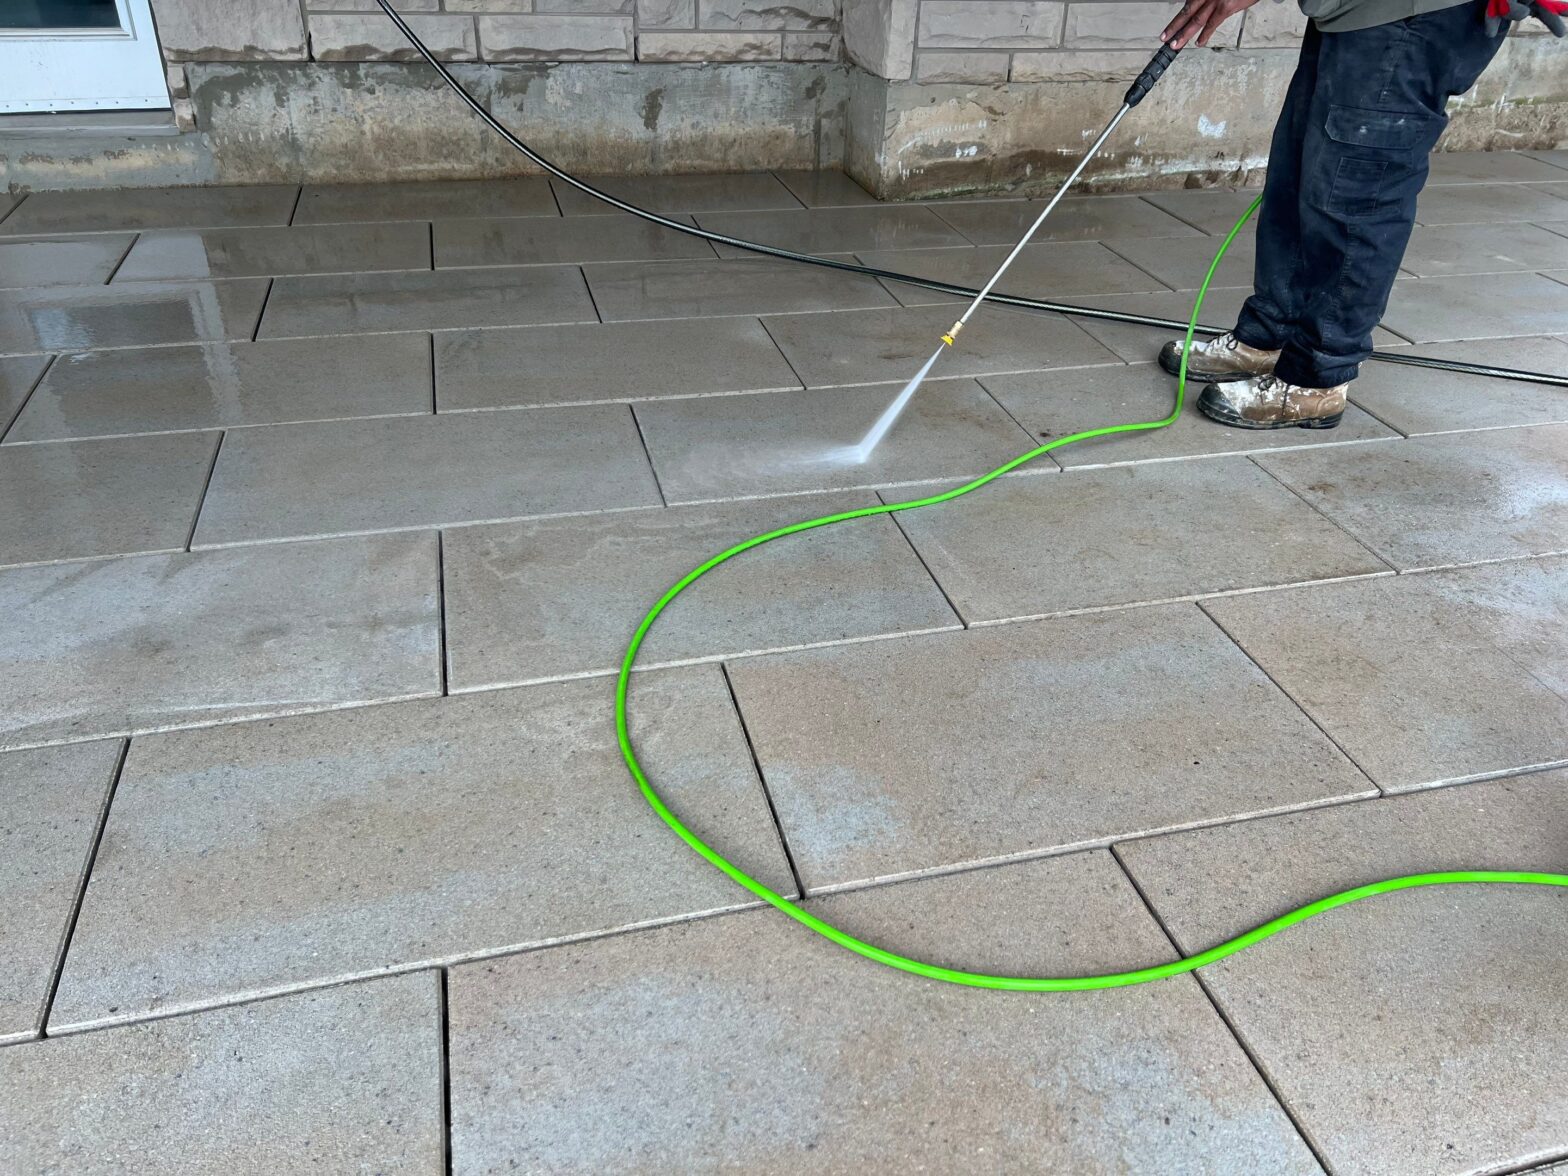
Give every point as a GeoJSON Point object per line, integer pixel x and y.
{"type": "Point", "coordinates": [1135, 94]}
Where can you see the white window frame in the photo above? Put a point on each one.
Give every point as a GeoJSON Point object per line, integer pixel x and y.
{"type": "Point", "coordinates": [122, 68]}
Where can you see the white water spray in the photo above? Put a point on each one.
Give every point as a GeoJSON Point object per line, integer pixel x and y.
{"type": "Point", "coordinates": [873, 437]}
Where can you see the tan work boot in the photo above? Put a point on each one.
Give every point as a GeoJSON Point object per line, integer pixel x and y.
{"type": "Point", "coordinates": [1218, 361]}
{"type": "Point", "coordinates": [1267, 402]}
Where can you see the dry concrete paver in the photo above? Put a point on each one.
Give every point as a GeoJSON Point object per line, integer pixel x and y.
{"type": "Point", "coordinates": [1480, 306]}
{"type": "Point", "coordinates": [345, 1080]}
{"type": "Point", "coordinates": [889, 759]}
{"type": "Point", "coordinates": [60, 261]}
{"type": "Point", "coordinates": [249, 253]}
{"type": "Point", "coordinates": [536, 241]}
{"type": "Point", "coordinates": [152, 642]}
{"type": "Point", "coordinates": [103, 210]}
{"type": "Point", "coordinates": [1026, 547]}
{"type": "Point", "coordinates": [252, 858]}
{"type": "Point", "coordinates": [1057, 404]}
{"type": "Point", "coordinates": [142, 314]}
{"type": "Point", "coordinates": [795, 442]}
{"type": "Point", "coordinates": [748, 1043]}
{"type": "Point", "coordinates": [53, 799]}
{"type": "Point", "coordinates": [1423, 679]}
{"type": "Point", "coordinates": [1558, 159]}
{"type": "Point", "coordinates": [1415, 1032]}
{"type": "Point", "coordinates": [1055, 270]}
{"type": "Point", "coordinates": [1003, 222]}
{"type": "Point", "coordinates": [429, 200]}
{"type": "Point", "coordinates": [746, 286]}
{"type": "Point", "coordinates": [561, 597]}
{"type": "Point", "coordinates": [392, 473]}
{"type": "Point", "coordinates": [835, 230]}
{"type": "Point", "coordinates": [1478, 204]}
{"type": "Point", "coordinates": [878, 346]}
{"type": "Point", "coordinates": [1182, 262]}
{"type": "Point", "coordinates": [824, 189]}
{"type": "Point", "coordinates": [1491, 167]}
{"type": "Point", "coordinates": [19, 375]}
{"type": "Point", "coordinates": [531, 366]}
{"type": "Point", "coordinates": [1417, 400]}
{"type": "Point", "coordinates": [85, 499]}
{"type": "Point", "coordinates": [1439, 500]}
{"type": "Point", "coordinates": [1449, 250]}
{"type": "Point", "coordinates": [740, 192]}
{"type": "Point", "coordinates": [224, 385]}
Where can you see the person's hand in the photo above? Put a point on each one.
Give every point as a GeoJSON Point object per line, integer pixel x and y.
{"type": "Point", "coordinates": [1200, 19]}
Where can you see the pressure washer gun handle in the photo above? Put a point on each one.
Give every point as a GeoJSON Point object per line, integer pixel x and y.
{"type": "Point", "coordinates": [1151, 73]}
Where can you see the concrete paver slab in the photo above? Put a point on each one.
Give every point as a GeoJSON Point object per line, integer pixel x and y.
{"type": "Point", "coordinates": [225, 385]}
{"type": "Point", "coordinates": [1417, 400]}
{"type": "Point", "coordinates": [1490, 167]}
{"type": "Point", "coordinates": [1182, 262]}
{"type": "Point", "coordinates": [19, 375]}
{"type": "Point", "coordinates": [1558, 159]}
{"type": "Point", "coordinates": [60, 261]}
{"type": "Point", "coordinates": [530, 366]}
{"type": "Point", "coordinates": [878, 346]}
{"type": "Point", "coordinates": [108, 210]}
{"type": "Point", "coordinates": [1003, 222]}
{"type": "Point", "coordinates": [1480, 306]}
{"type": "Point", "coordinates": [1055, 271]}
{"type": "Point", "coordinates": [1415, 1032]}
{"type": "Point", "coordinates": [1213, 210]}
{"type": "Point", "coordinates": [143, 314]}
{"type": "Point", "coordinates": [1477, 204]}
{"type": "Point", "coordinates": [585, 1058]}
{"type": "Point", "coordinates": [1448, 250]}
{"type": "Point", "coordinates": [54, 798]}
{"type": "Point", "coordinates": [666, 195]}
{"type": "Point", "coordinates": [427, 301]}
{"type": "Point", "coordinates": [1056, 404]}
{"type": "Point", "coordinates": [392, 473]}
{"type": "Point", "coordinates": [702, 289]}
{"type": "Point", "coordinates": [250, 253]}
{"type": "Point", "coordinates": [794, 442]}
{"type": "Point", "coordinates": [344, 1080]}
{"type": "Point", "coordinates": [537, 241]}
{"type": "Point", "coordinates": [1423, 679]}
{"type": "Point", "coordinates": [561, 597]}
{"type": "Point", "coordinates": [1026, 547]}
{"type": "Point", "coordinates": [85, 499]}
{"type": "Point", "coordinates": [824, 189]}
{"type": "Point", "coordinates": [1433, 501]}
{"type": "Point", "coordinates": [164, 641]}
{"type": "Point", "coordinates": [431, 200]}
{"type": "Point", "coordinates": [889, 759]}
{"type": "Point", "coordinates": [835, 230]}
{"type": "Point", "coordinates": [251, 858]}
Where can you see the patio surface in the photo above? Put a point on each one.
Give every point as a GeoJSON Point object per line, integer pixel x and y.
{"type": "Point", "coordinates": [327, 514]}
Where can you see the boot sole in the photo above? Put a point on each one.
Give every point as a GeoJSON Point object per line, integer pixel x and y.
{"type": "Point", "coordinates": [1173, 367]}
{"type": "Point", "coordinates": [1240, 422]}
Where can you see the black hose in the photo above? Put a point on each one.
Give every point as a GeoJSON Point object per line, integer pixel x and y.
{"type": "Point", "coordinates": [1089, 312]}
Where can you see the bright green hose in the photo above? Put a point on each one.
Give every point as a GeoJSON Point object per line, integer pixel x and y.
{"type": "Point", "coordinates": [981, 979]}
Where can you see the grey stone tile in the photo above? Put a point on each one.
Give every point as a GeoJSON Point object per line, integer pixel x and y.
{"type": "Point", "coordinates": [824, 189]}
{"type": "Point", "coordinates": [742, 192]}
{"type": "Point", "coordinates": [222, 385]}
{"type": "Point", "coordinates": [1490, 167]}
{"type": "Point", "coordinates": [1380, 1023]}
{"type": "Point", "coordinates": [872, 346]}
{"type": "Point", "coordinates": [561, 597]}
{"type": "Point", "coordinates": [583, 1058]}
{"type": "Point", "coordinates": [1481, 306]}
{"type": "Point", "coordinates": [107, 210]}
{"type": "Point", "coordinates": [1455, 498]}
{"type": "Point", "coordinates": [1088, 218]}
{"type": "Point", "coordinates": [749, 286]}
{"type": "Point", "coordinates": [250, 858]}
{"type": "Point", "coordinates": [1423, 679]}
{"type": "Point", "coordinates": [249, 253]}
{"type": "Point", "coordinates": [449, 299]}
{"type": "Point", "coordinates": [1447, 250]}
{"type": "Point", "coordinates": [608, 361]}
{"type": "Point", "coordinates": [163, 641]}
{"type": "Point", "coordinates": [431, 200]}
{"type": "Point", "coordinates": [1057, 404]}
{"type": "Point", "coordinates": [1558, 159]}
{"type": "Point", "coordinates": [9, 204]}
{"type": "Point", "coordinates": [345, 1080]}
{"type": "Point", "coordinates": [1476, 204]}
{"type": "Point", "coordinates": [1182, 262]}
{"type": "Point", "coordinates": [60, 261]}
{"type": "Point", "coordinates": [794, 442]}
{"type": "Point", "coordinates": [54, 798]}
{"type": "Point", "coordinates": [893, 758]}
{"type": "Point", "coordinates": [83, 499]}
{"type": "Point", "coordinates": [835, 230]}
{"type": "Point", "coordinates": [1418, 400]}
{"type": "Point", "coordinates": [394, 473]}
{"type": "Point", "coordinates": [1026, 547]}
{"type": "Point", "coordinates": [535, 241]}
{"type": "Point", "coordinates": [147, 314]}
{"type": "Point", "coordinates": [18, 377]}
{"type": "Point", "coordinates": [1055, 270]}
{"type": "Point", "coordinates": [1214, 210]}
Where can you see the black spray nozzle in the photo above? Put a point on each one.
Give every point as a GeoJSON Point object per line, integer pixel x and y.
{"type": "Point", "coordinates": [1152, 73]}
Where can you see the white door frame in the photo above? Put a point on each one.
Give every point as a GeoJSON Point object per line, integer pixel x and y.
{"type": "Point", "coordinates": [84, 69]}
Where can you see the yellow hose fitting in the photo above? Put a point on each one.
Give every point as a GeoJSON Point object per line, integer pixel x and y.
{"type": "Point", "coordinates": [952, 332]}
